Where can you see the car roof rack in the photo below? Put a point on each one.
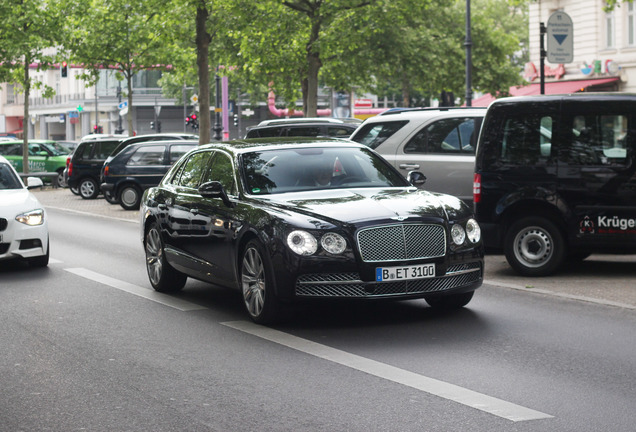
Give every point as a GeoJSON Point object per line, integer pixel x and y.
{"type": "Point", "coordinates": [445, 108]}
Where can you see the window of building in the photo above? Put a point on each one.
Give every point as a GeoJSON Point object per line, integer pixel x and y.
{"type": "Point", "coordinates": [630, 25]}
{"type": "Point", "coordinates": [609, 30]}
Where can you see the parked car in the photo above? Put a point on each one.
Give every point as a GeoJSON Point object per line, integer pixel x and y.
{"type": "Point", "coordinates": [86, 164]}
{"type": "Point", "coordinates": [43, 157]}
{"type": "Point", "coordinates": [23, 222]}
{"type": "Point", "coordinates": [249, 216]}
{"type": "Point", "coordinates": [136, 139]}
{"type": "Point", "coordinates": [140, 166]}
{"type": "Point", "coordinates": [308, 127]}
{"type": "Point", "coordinates": [554, 178]}
{"type": "Point", "coordinates": [440, 142]}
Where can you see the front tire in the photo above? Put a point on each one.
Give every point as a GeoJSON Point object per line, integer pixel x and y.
{"type": "Point", "coordinates": [88, 188]}
{"type": "Point", "coordinates": [534, 246]}
{"type": "Point", "coordinates": [163, 277]}
{"type": "Point", "coordinates": [42, 260]}
{"type": "Point", "coordinates": [257, 285]}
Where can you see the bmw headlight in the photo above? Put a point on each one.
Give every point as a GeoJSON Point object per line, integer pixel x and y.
{"type": "Point", "coordinates": [333, 243]}
{"type": "Point", "coordinates": [473, 231]}
{"type": "Point", "coordinates": [458, 234]}
{"type": "Point", "coordinates": [302, 242]}
{"type": "Point", "coordinates": [32, 218]}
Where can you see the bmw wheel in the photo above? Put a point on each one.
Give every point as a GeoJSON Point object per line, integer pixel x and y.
{"type": "Point", "coordinates": [534, 246]}
{"type": "Point", "coordinates": [257, 285]}
{"type": "Point", "coordinates": [88, 188]}
{"type": "Point", "coordinates": [163, 277]}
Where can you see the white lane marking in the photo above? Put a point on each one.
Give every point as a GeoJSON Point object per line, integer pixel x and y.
{"type": "Point", "coordinates": [497, 407]}
{"type": "Point", "coordinates": [155, 296]}
{"type": "Point", "coordinates": [501, 284]}
{"type": "Point", "coordinates": [55, 261]}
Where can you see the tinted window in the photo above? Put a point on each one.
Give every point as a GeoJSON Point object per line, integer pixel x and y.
{"type": "Point", "coordinates": [303, 131]}
{"type": "Point", "coordinates": [374, 134]}
{"type": "Point", "coordinates": [221, 170]}
{"type": "Point", "coordinates": [189, 174]}
{"type": "Point", "coordinates": [596, 140]}
{"type": "Point", "coordinates": [444, 136]}
{"type": "Point", "coordinates": [147, 156]}
{"type": "Point", "coordinates": [103, 149]}
{"type": "Point", "coordinates": [8, 180]}
{"type": "Point", "coordinates": [339, 132]}
{"type": "Point", "coordinates": [176, 151]}
{"type": "Point", "coordinates": [526, 139]}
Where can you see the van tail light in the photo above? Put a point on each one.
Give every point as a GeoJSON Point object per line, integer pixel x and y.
{"type": "Point", "coordinates": [70, 169]}
{"type": "Point", "coordinates": [106, 171]}
{"type": "Point", "coordinates": [68, 160]}
{"type": "Point", "coordinates": [476, 188]}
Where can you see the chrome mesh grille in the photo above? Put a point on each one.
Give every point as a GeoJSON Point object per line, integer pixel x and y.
{"type": "Point", "coordinates": [401, 242]}
{"type": "Point", "coordinates": [349, 285]}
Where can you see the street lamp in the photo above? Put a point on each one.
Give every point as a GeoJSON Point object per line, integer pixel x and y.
{"type": "Point", "coordinates": [217, 109]}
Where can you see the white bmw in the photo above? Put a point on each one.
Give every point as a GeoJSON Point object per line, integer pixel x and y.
{"type": "Point", "coordinates": [24, 232]}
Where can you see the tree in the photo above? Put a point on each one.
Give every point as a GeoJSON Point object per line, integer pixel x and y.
{"type": "Point", "coordinates": [122, 35]}
{"type": "Point", "coordinates": [27, 32]}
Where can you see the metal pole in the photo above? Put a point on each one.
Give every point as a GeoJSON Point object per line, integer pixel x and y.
{"type": "Point", "coordinates": [217, 109]}
{"type": "Point", "coordinates": [542, 32]}
{"type": "Point", "coordinates": [185, 107]}
{"type": "Point", "coordinates": [119, 126]}
{"type": "Point", "coordinates": [96, 111]}
{"type": "Point", "coordinates": [469, 65]}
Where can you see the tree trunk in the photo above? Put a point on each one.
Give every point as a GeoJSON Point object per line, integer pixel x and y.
{"type": "Point", "coordinates": [26, 120]}
{"type": "Point", "coordinates": [314, 64]}
{"type": "Point", "coordinates": [203, 39]}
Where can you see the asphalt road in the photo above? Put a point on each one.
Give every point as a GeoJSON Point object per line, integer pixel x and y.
{"type": "Point", "coordinates": [88, 345]}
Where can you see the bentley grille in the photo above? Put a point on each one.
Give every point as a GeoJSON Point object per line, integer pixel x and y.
{"type": "Point", "coordinates": [402, 242]}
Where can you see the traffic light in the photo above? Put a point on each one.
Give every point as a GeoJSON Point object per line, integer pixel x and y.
{"type": "Point", "coordinates": [152, 125]}
{"type": "Point", "coordinates": [194, 122]}
{"type": "Point", "coordinates": [187, 121]}
{"type": "Point", "coordinates": [98, 129]}
{"type": "Point", "coordinates": [64, 69]}
{"type": "Point", "coordinates": [235, 119]}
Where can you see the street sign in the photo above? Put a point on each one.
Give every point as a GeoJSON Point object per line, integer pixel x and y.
{"type": "Point", "coordinates": [560, 33]}
{"type": "Point", "coordinates": [248, 112]}
{"type": "Point", "coordinates": [194, 99]}
{"type": "Point", "coordinates": [123, 105]}
{"type": "Point", "coordinates": [123, 112]}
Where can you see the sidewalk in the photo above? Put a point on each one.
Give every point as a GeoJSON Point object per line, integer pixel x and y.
{"type": "Point", "coordinates": [604, 279]}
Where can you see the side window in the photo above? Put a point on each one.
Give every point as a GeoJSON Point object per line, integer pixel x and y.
{"type": "Point", "coordinates": [374, 134]}
{"type": "Point", "coordinates": [190, 173]}
{"type": "Point", "coordinates": [527, 140]}
{"type": "Point", "coordinates": [269, 132]}
{"type": "Point", "coordinates": [15, 150]}
{"type": "Point", "coordinates": [338, 132]}
{"type": "Point", "coordinates": [303, 131]}
{"type": "Point", "coordinates": [597, 139]}
{"type": "Point", "coordinates": [221, 170]}
{"type": "Point", "coordinates": [104, 149]}
{"type": "Point", "coordinates": [176, 151]}
{"type": "Point", "coordinates": [147, 156]}
{"type": "Point", "coordinates": [444, 136]}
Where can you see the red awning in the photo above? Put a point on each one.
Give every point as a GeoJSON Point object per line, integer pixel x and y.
{"type": "Point", "coordinates": [554, 87]}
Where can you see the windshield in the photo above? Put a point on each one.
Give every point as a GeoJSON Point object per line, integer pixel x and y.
{"type": "Point", "coordinates": [314, 168]}
{"type": "Point", "coordinates": [8, 179]}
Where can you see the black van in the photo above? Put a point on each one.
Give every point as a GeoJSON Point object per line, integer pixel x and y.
{"type": "Point", "coordinates": [555, 178]}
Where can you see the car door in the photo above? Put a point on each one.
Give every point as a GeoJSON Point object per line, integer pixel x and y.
{"type": "Point", "coordinates": [597, 171]}
{"type": "Point", "coordinates": [444, 150]}
{"type": "Point", "coordinates": [214, 223]}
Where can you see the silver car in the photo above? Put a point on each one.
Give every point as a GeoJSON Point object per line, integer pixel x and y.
{"type": "Point", "coordinates": [440, 142]}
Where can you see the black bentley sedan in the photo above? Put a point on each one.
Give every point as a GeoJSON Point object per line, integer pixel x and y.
{"type": "Point", "coordinates": [286, 220]}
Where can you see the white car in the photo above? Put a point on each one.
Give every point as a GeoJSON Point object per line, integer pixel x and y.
{"type": "Point", "coordinates": [24, 232]}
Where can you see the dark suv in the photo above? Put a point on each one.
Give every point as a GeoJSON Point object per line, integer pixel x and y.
{"type": "Point", "coordinates": [140, 166]}
{"type": "Point", "coordinates": [555, 178]}
{"type": "Point", "coordinates": [86, 164]}
{"type": "Point", "coordinates": [304, 127]}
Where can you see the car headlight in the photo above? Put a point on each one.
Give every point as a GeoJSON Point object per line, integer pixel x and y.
{"type": "Point", "coordinates": [32, 218]}
{"type": "Point", "coordinates": [458, 234]}
{"type": "Point", "coordinates": [333, 243]}
{"type": "Point", "coordinates": [473, 231]}
{"type": "Point", "coordinates": [302, 242]}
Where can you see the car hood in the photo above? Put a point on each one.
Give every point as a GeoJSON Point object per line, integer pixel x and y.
{"type": "Point", "coordinates": [14, 201]}
{"type": "Point", "coordinates": [364, 204]}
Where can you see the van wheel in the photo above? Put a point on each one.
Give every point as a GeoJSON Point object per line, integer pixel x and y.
{"type": "Point", "coordinates": [88, 188]}
{"type": "Point", "coordinates": [534, 246]}
{"type": "Point", "coordinates": [130, 197]}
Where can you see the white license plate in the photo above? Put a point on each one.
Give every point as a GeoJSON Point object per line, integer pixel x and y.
{"type": "Point", "coordinates": [421, 271]}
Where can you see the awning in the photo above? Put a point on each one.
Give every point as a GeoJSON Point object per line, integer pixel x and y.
{"type": "Point", "coordinates": [554, 87]}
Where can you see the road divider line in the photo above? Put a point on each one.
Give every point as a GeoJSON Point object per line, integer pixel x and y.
{"type": "Point", "coordinates": [482, 402]}
{"type": "Point", "coordinates": [155, 296]}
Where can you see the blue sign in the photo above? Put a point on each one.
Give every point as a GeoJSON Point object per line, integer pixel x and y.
{"type": "Point", "coordinates": [122, 105]}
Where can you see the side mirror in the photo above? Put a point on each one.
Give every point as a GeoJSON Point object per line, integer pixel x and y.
{"type": "Point", "coordinates": [214, 189]}
{"type": "Point", "coordinates": [416, 178]}
{"type": "Point", "coordinates": [34, 182]}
